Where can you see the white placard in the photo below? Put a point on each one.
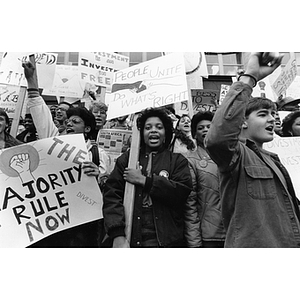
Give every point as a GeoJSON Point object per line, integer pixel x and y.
{"type": "Point", "coordinates": [153, 83]}
{"type": "Point", "coordinates": [43, 190]}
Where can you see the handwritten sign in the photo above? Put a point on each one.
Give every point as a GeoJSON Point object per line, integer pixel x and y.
{"type": "Point", "coordinates": [286, 77]}
{"type": "Point", "coordinates": [114, 142]}
{"type": "Point", "coordinates": [11, 70]}
{"type": "Point", "coordinates": [202, 99]}
{"type": "Point", "coordinates": [223, 92]}
{"type": "Point", "coordinates": [153, 83]}
{"type": "Point", "coordinates": [98, 67]}
{"type": "Point", "coordinates": [9, 95]}
{"type": "Point", "coordinates": [294, 89]}
{"type": "Point", "coordinates": [66, 82]}
{"type": "Point", "coordinates": [288, 149]}
{"type": "Point", "coordinates": [43, 190]}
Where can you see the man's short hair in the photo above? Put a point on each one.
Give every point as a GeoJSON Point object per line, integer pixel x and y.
{"type": "Point", "coordinates": [257, 103]}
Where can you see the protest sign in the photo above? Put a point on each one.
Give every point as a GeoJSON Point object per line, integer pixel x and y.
{"type": "Point", "coordinates": [98, 67]}
{"type": "Point", "coordinates": [288, 150]}
{"type": "Point", "coordinates": [153, 83]}
{"type": "Point", "coordinates": [294, 89]}
{"type": "Point", "coordinates": [11, 70]}
{"type": "Point", "coordinates": [66, 82]}
{"type": "Point", "coordinates": [9, 95]}
{"type": "Point", "coordinates": [223, 92]}
{"type": "Point", "coordinates": [114, 142]}
{"type": "Point", "coordinates": [264, 89]}
{"type": "Point", "coordinates": [43, 190]}
{"type": "Point", "coordinates": [286, 77]}
{"type": "Point", "coordinates": [202, 100]}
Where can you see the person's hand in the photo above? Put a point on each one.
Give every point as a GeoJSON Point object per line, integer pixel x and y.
{"type": "Point", "coordinates": [90, 169]}
{"type": "Point", "coordinates": [134, 176]}
{"type": "Point", "coordinates": [262, 64]}
{"type": "Point", "coordinates": [120, 242]}
{"type": "Point", "coordinates": [29, 72]}
{"type": "Point", "coordinates": [21, 164]}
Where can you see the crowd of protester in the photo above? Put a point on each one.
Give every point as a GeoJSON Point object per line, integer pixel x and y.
{"type": "Point", "coordinates": [201, 181]}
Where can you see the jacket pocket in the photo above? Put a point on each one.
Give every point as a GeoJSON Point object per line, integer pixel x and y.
{"type": "Point", "coordinates": [260, 182]}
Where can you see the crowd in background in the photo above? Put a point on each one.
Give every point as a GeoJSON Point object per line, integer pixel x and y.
{"type": "Point", "coordinates": [190, 174]}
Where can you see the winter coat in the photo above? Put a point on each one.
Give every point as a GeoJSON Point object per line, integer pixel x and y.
{"type": "Point", "coordinates": [203, 218]}
{"type": "Point", "coordinates": [168, 188]}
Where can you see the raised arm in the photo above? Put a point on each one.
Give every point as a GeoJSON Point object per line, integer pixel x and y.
{"type": "Point", "coordinates": [222, 138]}
{"type": "Point", "coordinates": [39, 110]}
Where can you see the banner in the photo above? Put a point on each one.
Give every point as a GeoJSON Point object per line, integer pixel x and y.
{"type": "Point", "coordinates": [43, 190]}
{"type": "Point", "coordinates": [98, 67]}
{"type": "Point", "coordinates": [153, 83]}
{"type": "Point", "coordinates": [66, 83]}
{"type": "Point", "coordinates": [288, 150]}
{"type": "Point", "coordinates": [114, 142]}
{"type": "Point", "coordinates": [12, 72]}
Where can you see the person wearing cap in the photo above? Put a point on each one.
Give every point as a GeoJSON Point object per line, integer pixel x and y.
{"type": "Point", "coordinates": [6, 139]}
{"type": "Point", "coordinates": [79, 121]}
{"type": "Point", "coordinates": [203, 218]}
{"type": "Point", "coordinates": [288, 104]}
{"type": "Point", "coordinates": [291, 124]}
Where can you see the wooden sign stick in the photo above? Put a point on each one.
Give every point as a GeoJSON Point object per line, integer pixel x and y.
{"type": "Point", "coordinates": [130, 188]}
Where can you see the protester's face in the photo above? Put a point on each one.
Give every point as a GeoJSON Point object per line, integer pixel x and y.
{"type": "Point", "coordinates": [260, 126]}
{"type": "Point", "coordinates": [76, 125]}
{"type": "Point", "coordinates": [154, 133]}
{"type": "Point", "coordinates": [100, 117]}
{"type": "Point", "coordinates": [122, 119]}
{"type": "Point", "coordinates": [61, 112]}
{"type": "Point", "coordinates": [28, 124]}
{"type": "Point", "coordinates": [201, 131]}
{"type": "Point", "coordinates": [3, 124]}
{"type": "Point", "coordinates": [184, 124]}
{"type": "Point", "coordinates": [296, 127]}
{"type": "Point", "coordinates": [277, 122]}
{"type": "Point", "coordinates": [53, 109]}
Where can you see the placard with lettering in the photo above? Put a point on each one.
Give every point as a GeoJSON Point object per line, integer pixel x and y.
{"type": "Point", "coordinates": [288, 150]}
{"type": "Point", "coordinates": [114, 142]}
{"type": "Point", "coordinates": [98, 67]}
{"type": "Point", "coordinates": [43, 190]}
{"type": "Point", "coordinates": [66, 82]}
{"type": "Point", "coordinates": [153, 83]}
{"type": "Point", "coordinates": [202, 99]}
{"type": "Point", "coordinates": [9, 95]}
{"type": "Point", "coordinates": [12, 72]}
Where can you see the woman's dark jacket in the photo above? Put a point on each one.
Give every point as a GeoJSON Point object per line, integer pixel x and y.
{"type": "Point", "coordinates": [169, 187]}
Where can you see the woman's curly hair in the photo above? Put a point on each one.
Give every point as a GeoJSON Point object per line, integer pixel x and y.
{"type": "Point", "coordinates": [182, 136]}
{"type": "Point", "coordinates": [162, 115]}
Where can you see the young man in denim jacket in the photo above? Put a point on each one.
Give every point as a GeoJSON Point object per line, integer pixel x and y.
{"type": "Point", "coordinates": [259, 205]}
